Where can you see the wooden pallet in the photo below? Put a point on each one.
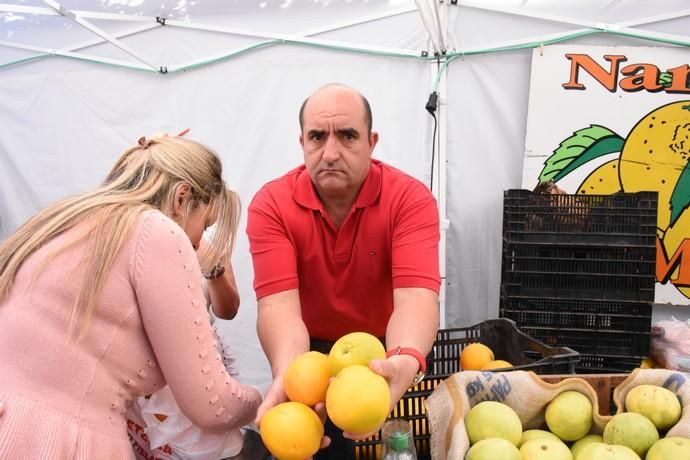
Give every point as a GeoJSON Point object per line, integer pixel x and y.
{"type": "Point", "coordinates": [603, 384]}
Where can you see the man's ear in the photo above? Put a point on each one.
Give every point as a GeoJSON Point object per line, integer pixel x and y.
{"type": "Point", "coordinates": [183, 193]}
{"type": "Point", "coordinates": [301, 140]}
{"type": "Point", "coordinates": [373, 139]}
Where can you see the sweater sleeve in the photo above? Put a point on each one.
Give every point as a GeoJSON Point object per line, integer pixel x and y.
{"type": "Point", "coordinates": [173, 311]}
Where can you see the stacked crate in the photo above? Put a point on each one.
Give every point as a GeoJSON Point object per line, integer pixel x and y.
{"type": "Point", "coordinates": [579, 271]}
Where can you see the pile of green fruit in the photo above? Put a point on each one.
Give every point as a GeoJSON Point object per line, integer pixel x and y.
{"type": "Point", "coordinates": [495, 431]}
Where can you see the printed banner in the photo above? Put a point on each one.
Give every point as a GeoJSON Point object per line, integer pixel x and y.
{"type": "Point", "coordinates": [609, 119]}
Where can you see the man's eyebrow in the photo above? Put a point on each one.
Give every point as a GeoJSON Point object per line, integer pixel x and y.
{"type": "Point", "coordinates": [313, 132]}
{"type": "Point", "coordinates": [348, 132]}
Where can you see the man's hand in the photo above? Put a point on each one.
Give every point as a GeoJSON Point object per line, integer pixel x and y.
{"type": "Point", "coordinates": [274, 396]}
{"type": "Point", "coordinates": [320, 409]}
{"type": "Point", "coordinates": [396, 371]}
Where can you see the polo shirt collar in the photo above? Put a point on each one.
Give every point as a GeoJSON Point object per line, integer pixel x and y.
{"type": "Point", "coordinates": [305, 193]}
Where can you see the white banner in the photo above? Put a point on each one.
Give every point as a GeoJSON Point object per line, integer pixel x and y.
{"type": "Point", "coordinates": [607, 119]}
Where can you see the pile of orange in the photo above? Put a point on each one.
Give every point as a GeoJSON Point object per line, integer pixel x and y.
{"type": "Point", "coordinates": [479, 357]}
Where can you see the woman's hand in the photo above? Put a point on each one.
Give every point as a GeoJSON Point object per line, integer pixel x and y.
{"type": "Point", "coordinates": [276, 395]}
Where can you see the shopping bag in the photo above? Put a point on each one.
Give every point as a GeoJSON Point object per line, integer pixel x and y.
{"type": "Point", "coordinates": [670, 344]}
{"type": "Point", "coordinates": [159, 430]}
{"type": "Point", "coordinates": [169, 430]}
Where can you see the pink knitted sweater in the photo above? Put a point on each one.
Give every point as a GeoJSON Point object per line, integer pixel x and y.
{"type": "Point", "coordinates": [66, 399]}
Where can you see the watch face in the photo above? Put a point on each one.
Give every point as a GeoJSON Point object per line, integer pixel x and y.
{"type": "Point", "coordinates": [418, 378]}
{"type": "Point", "coordinates": [216, 272]}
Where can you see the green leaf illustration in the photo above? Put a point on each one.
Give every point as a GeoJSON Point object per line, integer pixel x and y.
{"type": "Point", "coordinates": [584, 145]}
{"type": "Point", "coordinates": [680, 198]}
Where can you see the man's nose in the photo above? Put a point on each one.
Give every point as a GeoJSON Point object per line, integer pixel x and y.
{"type": "Point", "coordinates": [331, 149]}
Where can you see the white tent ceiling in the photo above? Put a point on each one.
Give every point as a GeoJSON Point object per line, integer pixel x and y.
{"type": "Point", "coordinates": [82, 79]}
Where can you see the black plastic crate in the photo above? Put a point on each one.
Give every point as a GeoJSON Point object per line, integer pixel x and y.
{"type": "Point", "coordinates": [558, 313]}
{"type": "Point", "coordinates": [617, 273]}
{"type": "Point", "coordinates": [506, 341]}
{"type": "Point", "coordinates": [578, 286]}
{"type": "Point", "coordinates": [622, 219]}
{"type": "Point", "coordinates": [594, 341]}
{"type": "Point", "coordinates": [591, 260]}
{"type": "Point", "coordinates": [607, 364]}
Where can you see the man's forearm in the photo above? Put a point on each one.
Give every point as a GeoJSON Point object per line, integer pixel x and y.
{"type": "Point", "coordinates": [415, 319]}
{"type": "Point", "coordinates": [281, 331]}
{"type": "Point", "coordinates": [413, 324]}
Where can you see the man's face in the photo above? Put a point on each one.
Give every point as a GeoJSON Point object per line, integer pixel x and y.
{"type": "Point", "coordinates": [337, 147]}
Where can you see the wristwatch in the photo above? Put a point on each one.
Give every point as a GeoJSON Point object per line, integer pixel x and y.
{"type": "Point", "coordinates": [416, 355]}
{"type": "Point", "coordinates": [216, 272]}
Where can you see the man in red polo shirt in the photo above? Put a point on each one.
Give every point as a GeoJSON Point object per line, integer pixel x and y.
{"type": "Point", "coordinates": [344, 243]}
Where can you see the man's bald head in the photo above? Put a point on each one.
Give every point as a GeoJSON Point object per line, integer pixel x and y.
{"type": "Point", "coordinates": [365, 103]}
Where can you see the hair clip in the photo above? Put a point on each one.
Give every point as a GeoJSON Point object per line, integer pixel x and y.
{"type": "Point", "coordinates": [142, 141]}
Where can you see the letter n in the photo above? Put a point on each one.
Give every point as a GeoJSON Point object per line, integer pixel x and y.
{"type": "Point", "coordinates": [608, 79]}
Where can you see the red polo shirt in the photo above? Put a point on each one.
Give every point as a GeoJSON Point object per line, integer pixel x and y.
{"type": "Point", "coordinates": [346, 276]}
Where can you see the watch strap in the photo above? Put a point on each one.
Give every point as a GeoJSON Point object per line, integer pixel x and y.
{"type": "Point", "coordinates": [216, 272]}
{"type": "Point", "coordinates": [416, 355]}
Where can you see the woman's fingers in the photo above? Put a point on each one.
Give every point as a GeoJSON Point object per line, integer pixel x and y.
{"type": "Point", "coordinates": [320, 409]}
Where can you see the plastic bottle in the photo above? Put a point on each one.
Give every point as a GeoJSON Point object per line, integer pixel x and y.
{"type": "Point", "coordinates": [398, 441]}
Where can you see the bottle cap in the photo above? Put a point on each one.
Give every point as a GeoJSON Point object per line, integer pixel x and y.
{"type": "Point", "coordinates": [399, 441]}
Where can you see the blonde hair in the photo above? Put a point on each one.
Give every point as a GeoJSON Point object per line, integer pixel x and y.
{"type": "Point", "coordinates": [144, 177]}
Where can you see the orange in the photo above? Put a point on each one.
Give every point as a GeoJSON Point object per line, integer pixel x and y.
{"type": "Point", "coordinates": [496, 364]}
{"type": "Point", "coordinates": [358, 400]}
{"type": "Point", "coordinates": [474, 356]}
{"type": "Point", "coordinates": [306, 378]}
{"type": "Point", "coordinates": [291, 431]}
{"type": "Point", "coordinates": [355, 348]}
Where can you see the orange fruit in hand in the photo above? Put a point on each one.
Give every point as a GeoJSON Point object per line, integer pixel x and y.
{"type": "Point", "coordinates": [358, 400]}
{"type": "Point", "coordinates": [474, 356]}
{"type": "Point", "coordinates": [291, 431]}
{"type": "Point", "coordinates": [355, 348]}
{"type": "Point", "coordinates": [306, 378]}
{"type": "Point", "coordinates": [496, 364]}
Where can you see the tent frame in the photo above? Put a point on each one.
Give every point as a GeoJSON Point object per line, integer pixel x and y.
{"type": "Point", "coordinates": [438, 17]}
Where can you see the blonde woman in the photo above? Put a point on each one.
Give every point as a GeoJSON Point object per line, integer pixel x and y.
{"type": "Point", "coordinates": [101, 301]}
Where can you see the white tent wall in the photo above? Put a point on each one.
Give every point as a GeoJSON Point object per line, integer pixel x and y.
{"type": "Point", "coordinates": [64, 121]}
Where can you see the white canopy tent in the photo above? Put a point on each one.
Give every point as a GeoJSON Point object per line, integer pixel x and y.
{"type": "Point", "coordinates": [82, 80]}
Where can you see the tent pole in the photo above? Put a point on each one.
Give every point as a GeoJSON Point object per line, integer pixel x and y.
{"type": "Point", "coordinates": [45, 52]}
{"type": "Point", "coordinates": [70, 54]}
{"type": "Point", "coordinates": [101, 33]}
{"type": "Point", "coordinates": [99, 40]}
{"type": "Point", "coordinates": [296, 39]}
{"type": "Point", "coordinates": [362, 20]}
{"type": "Point", "coordinates": [442, 187]}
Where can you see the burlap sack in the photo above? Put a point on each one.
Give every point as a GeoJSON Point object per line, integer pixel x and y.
{"type": "Point", "coordinates": [677, 382]}
{"type": "Point", "coordinates": [523, 391]}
